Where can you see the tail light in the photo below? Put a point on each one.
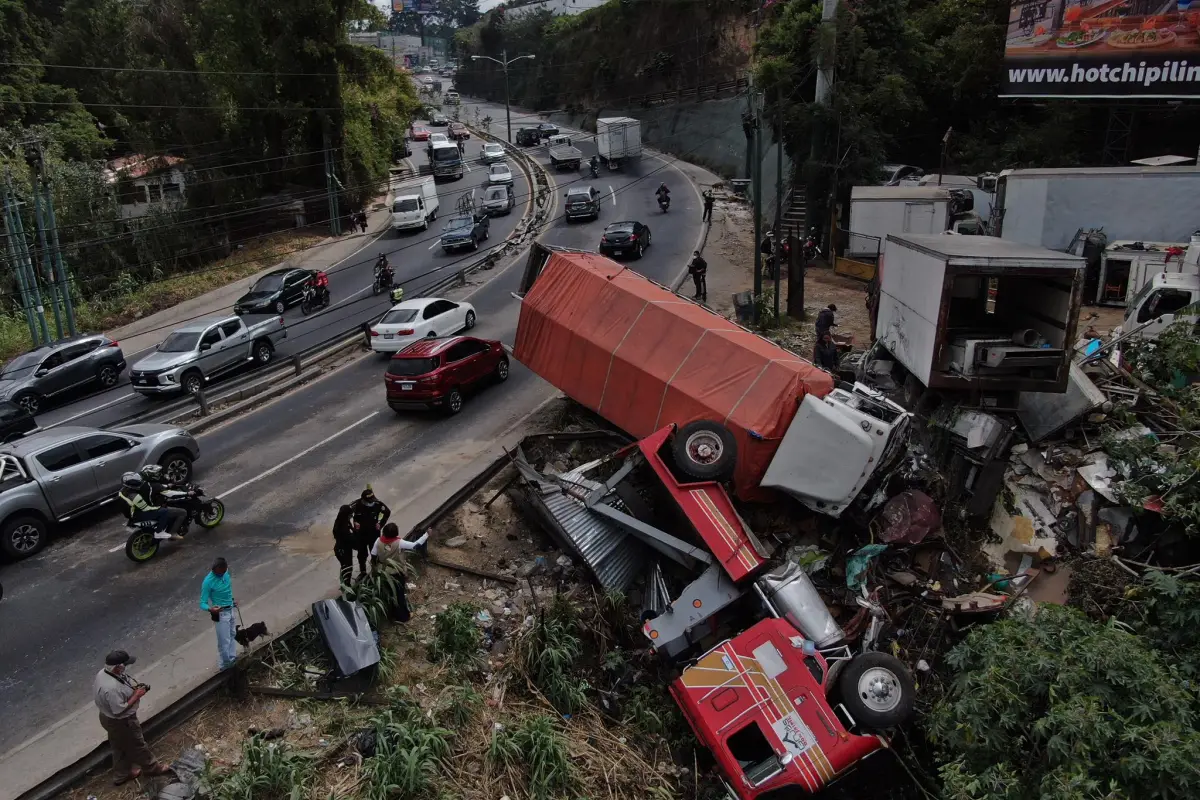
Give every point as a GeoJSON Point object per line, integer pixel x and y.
{"type": "Point", "coordinates": [633, 237]}
{"type": "Point", "coordinates": [114, 344]}
{"type": "Point", "coordinates": [604, 239]}
{"type": "Point", "coordinates": [405, 332]}
{"type": "Point", "coordinates": [374, 332]}
{"type": "Point", "coordinates": [281, 320]}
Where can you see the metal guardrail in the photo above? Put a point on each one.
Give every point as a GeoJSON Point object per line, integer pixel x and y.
{"type": "Point", "coordinates": [693, 94]}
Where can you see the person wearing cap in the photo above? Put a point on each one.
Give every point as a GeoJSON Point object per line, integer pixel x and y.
{"type": "Point", "coordinates": [826, 320]}
{"type": "Point", "coordinates": [117, 696]}
{"type": "Point", "coordinates": [216, 597]}
{"type": "Point", "coordinates": [387, 555]}
{"type": "Point", "coordinates": [369, 515]}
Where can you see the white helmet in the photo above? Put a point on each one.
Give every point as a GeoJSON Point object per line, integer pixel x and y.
{"type": "Point", "coordinates": [131, 480]}
{"type": "Point", "coordinates": [152, 472]}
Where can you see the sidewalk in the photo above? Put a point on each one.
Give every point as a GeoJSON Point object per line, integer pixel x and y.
{"type": "Point", "coordinates": [150, 330]}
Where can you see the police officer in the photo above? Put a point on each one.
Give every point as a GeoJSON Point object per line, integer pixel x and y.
{"type": "Point", "coordinates": [370, 515]}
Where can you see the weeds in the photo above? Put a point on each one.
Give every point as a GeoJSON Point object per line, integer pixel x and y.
{"type": "Point", "coordinates": [456, 637]}
{"type": "Point", "coordinates": [378, 593]}
{"type": "Point", "coordinates": [549, 651]}
{"type": "Point", "coordinates": [410, 752]}
{"type": "Point", "coordinates": [460, 705]}
{"type": "Point", "coordinates": [267, 771]}
{"type": "Point", "coordinates": [535, 747]}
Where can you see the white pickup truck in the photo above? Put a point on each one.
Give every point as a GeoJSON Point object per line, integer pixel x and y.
{"type": "Point", "coordinates": [198, 353]}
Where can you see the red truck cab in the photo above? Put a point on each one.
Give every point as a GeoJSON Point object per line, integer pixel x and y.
{"type": "Point", "coordinates": [757, 702]}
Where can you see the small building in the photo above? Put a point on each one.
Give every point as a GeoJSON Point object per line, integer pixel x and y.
{"type": "Point", "coordinates": [143, 182]}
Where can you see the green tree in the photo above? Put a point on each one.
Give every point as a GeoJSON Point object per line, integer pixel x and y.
{"type": "Point", "coordinates": [1063, 708]}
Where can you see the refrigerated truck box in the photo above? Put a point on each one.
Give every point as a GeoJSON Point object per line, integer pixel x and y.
{"type": "Point", "coordinates": [1125, 269]}
{"type": "Point", "coordinates": [618, 138]}
{"type": "Point", "coordinates": [876, 211]}
{"type": "Point", "coordinates": [977, 312]}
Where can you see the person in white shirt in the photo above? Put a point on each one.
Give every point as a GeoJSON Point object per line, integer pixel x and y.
{"type": "Point", "coordinates": [388, 555]}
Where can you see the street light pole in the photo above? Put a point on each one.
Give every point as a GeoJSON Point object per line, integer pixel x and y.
{"type": "Point", "coordinates": [504, 61]}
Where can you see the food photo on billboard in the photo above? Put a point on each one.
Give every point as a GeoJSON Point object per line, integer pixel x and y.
{"type": "Point", "coordinates": [1103, 48]}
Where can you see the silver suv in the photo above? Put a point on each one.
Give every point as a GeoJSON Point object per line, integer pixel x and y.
{"type": "Point", "coordinates": [35, 378]}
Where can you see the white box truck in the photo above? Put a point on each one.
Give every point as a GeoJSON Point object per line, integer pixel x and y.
{"type": "Point", "coordinates": [978, 313]}
{"type": "Point", "coordinates": [877, 211]}
{"type": "Point", "coordinates": [1125, 267]}
{"type": "Point", "coordinates": [618, 139]}
{"type": "Point", "coordinates": [415, 205]}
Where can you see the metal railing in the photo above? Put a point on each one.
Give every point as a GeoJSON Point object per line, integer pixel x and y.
{"type": "Point", "coordinates": [692, 94]}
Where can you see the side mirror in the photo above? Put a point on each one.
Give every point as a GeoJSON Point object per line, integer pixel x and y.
{"type": "Point", "coordinates": [205, 346]}
{"type": "Point", "coordinates": [40, 371]}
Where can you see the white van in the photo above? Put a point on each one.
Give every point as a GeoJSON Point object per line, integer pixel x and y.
{"type": "Point", "coordinates": [452, 98]}
{"type": "Point", "coordinates": [415, 206]}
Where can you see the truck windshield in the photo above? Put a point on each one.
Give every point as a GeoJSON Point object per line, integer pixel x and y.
{"type": "Point", "coordinates": [179, 342]}
{"type": "Point", "coordinates": [446, 154]}
{"type": "Point", "coordinates": [405, 204]}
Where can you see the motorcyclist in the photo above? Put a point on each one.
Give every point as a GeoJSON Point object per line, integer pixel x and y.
{"type": "Point", "coordinates": [157, 483]}
{"type": "Point", "coordinates": [138, 496]}
{"type": "Point", "coordinates": [383, 271]}
{"type": "Point", "coordinates": [595, 165]}
{"type": "Point", "coordinates": [662, 192]}
{"type": "Point", "coordinates": [320, 284]}
{"type": "Point", "coordinates": [369, 514]}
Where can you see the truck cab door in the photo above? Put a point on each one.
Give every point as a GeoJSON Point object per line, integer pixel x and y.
{"type": "Point", "coordinates": [235, 342]}
{"type": "Point", "coordinates": [69, 483]}
{"type": "Point", "coordinates": [1159, 309]}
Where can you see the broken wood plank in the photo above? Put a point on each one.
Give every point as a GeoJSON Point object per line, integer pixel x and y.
{"type": "Point", "coordinates": [491, 576]}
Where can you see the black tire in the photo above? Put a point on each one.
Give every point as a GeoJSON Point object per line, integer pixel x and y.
{"type": "Point", "coordinates": [192, 382]}
{"type": "Point", "coordinates": [704, 450]}
{"type": "Point", "coordinates": [107, 375]}
{"type": "Point", "coordinates": [424, 225]}
{"type": "Point", "coordinates": [177, 466]}
{"type": "Point", "coordinates": [31, 402]}
{"type": "Point", "coordinates": [211, 514]}
{"type": "Point", "coordinates": [474, 243]}
{"type": "Point", "coordinates": [280, 307]}
{"type": "Point", "coordinates": [432, 334]}
{"type": "Point", "coordinates": [649, 238]}
{"type": "Point", "coordinates": [141, 546]}
{"type": "Point", "coordinates": [470, 321]}
{"type": "Point", "coordinates": [454, 401]}
{"type": "Point", "coordinates": [641, 250]}
{"type": "Point", "coordinates": [263, 352]}
{"type": "Point", "coordinates": [23, 536]}
{"type": "Point", "coordinates": [878, 691]}
{"type": "Point", "coordinates": [502, 370]}
{"type": "Point", "coordinates": [307, 308]}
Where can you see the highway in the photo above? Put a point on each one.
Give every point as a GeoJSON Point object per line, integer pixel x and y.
{"type": "Point", "coordinates": [284, 469]}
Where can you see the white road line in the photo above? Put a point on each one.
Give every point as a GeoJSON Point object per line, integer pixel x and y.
{"type": "Point", "coordinates": [100, 407]}
{"type": "Point", "coordinates": [435, 244]}
{"type": "Point", "coordinates": [613, 195]}
{"type": "Point", "coordinates": [299, 455]}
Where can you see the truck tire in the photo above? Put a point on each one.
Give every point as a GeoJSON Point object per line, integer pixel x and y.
{"type": "Point", "coordinates": [192, 382]}
{"type": "Point", "coordinates": [704, 450]}
{"type": "Point", "coordinates": [263, 352]}
{"type": "Point", "coordinates": [22, 536]}
{"type": "Point", "coordinates": [878, 691]}
{"type": "Point", "coordinates": [177, 466]}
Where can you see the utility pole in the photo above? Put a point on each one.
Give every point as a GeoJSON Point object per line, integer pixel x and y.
{"type": "Point", "coordinates": [15, 261]}
{"type": "Point", "coordinates": [61, 274]}
{"type": "Point", "coordinates": [779, 197]}
{"type": "Point", "coordinates": [43, 209]}
{"type": "Point", "coordinates": [504, 61]}
{"type": "Point", "coordinates": [757, 183]}
{"type": "Point", "coordinates": [31, 296]}
{"type": "Point", "coordinates": [335, 219]}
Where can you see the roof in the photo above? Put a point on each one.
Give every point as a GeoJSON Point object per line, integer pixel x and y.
{"type": "Point", "coordinates": [201, 325]}
{"type": "Point", "coordinates": [984, 247]}
{"type": "Point", "coordinates": [1083, 172]}
{"type": "Point", "coordinates": [953, 181]}
{"type": "Point", "coordinates": [617, 120]}
{"type": "Point", "coordinates": [1163, 161]}
{"type": "Point", "coordinates": [428, 347]}
{"type": "Point", "coordinates": [138, 166]}
{"type": "Point", "coordinates": [899, 193]}
{"type": "Point", "coordinates": [38, 440]}
{"type": "Point", "coordinates": [1122, 245]}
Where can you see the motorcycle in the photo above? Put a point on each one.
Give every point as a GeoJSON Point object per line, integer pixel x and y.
{"type": "Point", "coordinates": [595, 170]}
{"type": "Point", "coordinates": [314, 299]}
{"type": "Point", "coordinates": [382, 282]}
{"type": "Point", "coordinates": [207, 512]}
{"type": "Point", "coordinates": [664, 202]}
{"type": "Point", "coordinates": [811, 250]}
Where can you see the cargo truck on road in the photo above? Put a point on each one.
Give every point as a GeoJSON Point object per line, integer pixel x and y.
{"type": "Point", "coordinates": [563, 155]}
{"type": "Point", "coordinates": [618, 139]}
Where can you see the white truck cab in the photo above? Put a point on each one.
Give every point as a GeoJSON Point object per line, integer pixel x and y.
{"type": "Point", "coordinates": [415, 206]}
{"type": "Point", "coordinates": [1159, 302]}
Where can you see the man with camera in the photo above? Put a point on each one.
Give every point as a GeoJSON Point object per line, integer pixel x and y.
{"type": "Point", "coordinates": [117, 698]}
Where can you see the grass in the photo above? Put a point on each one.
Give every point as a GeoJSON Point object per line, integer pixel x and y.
{"type": "Point", "coordinates": [535, 746]}
{"type": "Point", "coordinates": [129, 301]}
{"type": "Point", "coordinates": [410, 754]}
{"type": "Point", "coordinates": [267, 771]}
{"type": "Point", "coordinates": [549, 652]}
{"type": "Point", "coordinates": [456, 637]}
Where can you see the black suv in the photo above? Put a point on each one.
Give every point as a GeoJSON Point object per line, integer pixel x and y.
{"type": "Point", "coordinates": [583, 202]}
{"type": "Point", "coordinates": [15, 421]}
{"type": "Point", "coordinates": [527, 137]}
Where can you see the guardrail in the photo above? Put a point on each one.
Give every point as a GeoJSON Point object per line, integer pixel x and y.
{"type": "Point", "coordinates": [693, 94]}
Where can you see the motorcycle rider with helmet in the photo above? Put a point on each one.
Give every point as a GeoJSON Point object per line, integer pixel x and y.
{"type": "Point", "coordinates": [383, 272]}
{"type": "Point", "coordinates": [663, 194]}
{"type": "Point", "coordinates": [320, 285]}
{"type": "Point", "coordinates": [595, 165]}
{"type": "Point", "coordinates": [138, 496]}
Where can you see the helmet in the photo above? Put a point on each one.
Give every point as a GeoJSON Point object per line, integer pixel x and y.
{"type": "Point", "coordinates": [131, 480]}
{"type": "Point", "coordinates": [152, 472]}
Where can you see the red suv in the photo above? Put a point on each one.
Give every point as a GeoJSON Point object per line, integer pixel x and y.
{"type": "Point", "coordinates": [436, 373]}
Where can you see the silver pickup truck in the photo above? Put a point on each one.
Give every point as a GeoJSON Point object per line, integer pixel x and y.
{"type": "Point", "coordinates": [200, 352]}
{"type": "Point", "coordinates": [51, 476]}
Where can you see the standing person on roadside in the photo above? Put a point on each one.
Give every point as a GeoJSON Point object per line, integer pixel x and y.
{"type": "Point", "coordinates": [117, 696]}
{"type": "Point", "coordinates": [826, 320]}
{"type": "Point", "coordinates": [708, 205]}
{"type": "Point", "coordinates": [825, 353]}
{"type": "Point", "coordinates": [343, 543]}
{"type": "Point", "coordinates": [387, 555]}
{"type": "Point", "coordinates": [216, 597]}
{"type": "Point", "coordinates": [369, 515]}
{"type": "Point", "coordinates": [361, 219]}
{"type": "Point", "coordinates": [698, 269]}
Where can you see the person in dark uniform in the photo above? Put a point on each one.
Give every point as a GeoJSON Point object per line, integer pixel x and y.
{"type": "Point", "coordinates": [698, 269]}
{"type": "Point", "coordinates": [708, 205]}
{"type": "Point", "coordinates": [344, 543]}
{"type": "Point", "coordinates": [825, 353]}
{"type": "Point", "coordinates": [369, 515]}
{"type": "Point", "coordinates": [826, 320]}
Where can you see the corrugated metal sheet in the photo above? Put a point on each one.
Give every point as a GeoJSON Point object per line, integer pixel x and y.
{"type": "Point", "coordinates": [613, 556]}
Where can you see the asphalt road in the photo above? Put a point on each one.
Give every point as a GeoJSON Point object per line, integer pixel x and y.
{"type": "Point", "coordinates": [415, 256]}
{"type": "Point", "coordinates": [283, 470]}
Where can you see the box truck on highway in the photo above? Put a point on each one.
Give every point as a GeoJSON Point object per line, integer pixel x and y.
{"type": "Point", "coordinates": [618, 139]}
{"type": "Point", "coordinates": [415, 206]}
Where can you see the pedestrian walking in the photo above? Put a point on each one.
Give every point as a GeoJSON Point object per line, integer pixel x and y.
{"type": "Point", "coordinates": [369, 515]}
{"type": "Point", "coordinates": [216, 597]}
{"type": "Point", "coordinates": [825, 353]}
{"type": "Point", "coordinates": [708, 205]}
{"type": "Point", "coordinates": [698, 269]}
{"type": "Point", "coordinates": [826, 320]}
{"type": "Point", "coordinates": [388, 556]}
{"type": "Point", "coordinates": [362, 220]}
{"type": "Point", "coordinates": [767, 248]}
{"type": "Point", "coordinates": [117, 695]}
{"type": "Point", "coordinates": [343, 543]}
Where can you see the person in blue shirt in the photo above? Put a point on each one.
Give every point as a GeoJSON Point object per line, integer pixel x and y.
{"type": "Point", "coordinates": [216, 597]}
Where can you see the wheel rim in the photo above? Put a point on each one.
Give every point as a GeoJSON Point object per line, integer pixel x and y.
{"type": "Point", "coordinates": [879, 689]}
{"type": "Point", "coordinates": [29, 403]}
{"type": "Point", "coordinates": [25, 538]}
{"type": "Point", "coordinates": [279, 307]}
{"type": "Point", "coordinates": [502, 370]}
{"type": "Point", "coordinates": [193, 385]}
{"type": "Point", "coordinates": [143, 545]}
{"type": "Point", "coordinates": [455, 401]}
{"type": "Point", "coordinates": [212, 513]}
{"type": "Point", "coordinates": [176, 470]}
{"type": "Point", "coordinates": [264, 353]}
{"type": "Point", "coordinates": [704, 447]}
{"type": "Point", "coordinates": [470, 319]}
{"type": "Point", "coordinates": [108, 376]}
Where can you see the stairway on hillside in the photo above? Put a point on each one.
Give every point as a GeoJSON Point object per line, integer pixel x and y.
{"type": "Point", "coordinates": [796, 216]}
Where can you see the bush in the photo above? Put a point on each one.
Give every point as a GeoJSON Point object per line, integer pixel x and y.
{"type": "Point", "coordinates": [267, 771]}
{"type": "Point", "coordinates": [456, 637]}
{"type": "Point", "coordinates": [549, 653]}
{"type": "Point", "coordinates": [536, 747]}
{"type": "Point", "coordinates": [1063, 708]}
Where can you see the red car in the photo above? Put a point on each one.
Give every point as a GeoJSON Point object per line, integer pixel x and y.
{"type": "Point", "coordinates": [459, 131]}
{"type": "Point", "coordinates": [437, 373]}
{"type": "Point", "coordinates": [419, 134]}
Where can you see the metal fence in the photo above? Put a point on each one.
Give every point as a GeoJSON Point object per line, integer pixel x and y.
{"type": "Point", "coordinates": [692, 94]}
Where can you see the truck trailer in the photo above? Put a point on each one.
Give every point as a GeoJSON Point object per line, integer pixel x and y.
{"type": "Point", "coordinates": [877, 211]}
{"type": "Point", "coordinates": [618, 139]}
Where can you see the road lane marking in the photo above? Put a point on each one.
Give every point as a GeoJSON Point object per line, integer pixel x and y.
{"type": "Point", "coordinates": [296, 457]}
{"type": "Point", "coordinates": [613, 195]}
{"type": "Point", "coordinates": [435, 244]}
{"type": "Point", "coordinates": [100, 407]}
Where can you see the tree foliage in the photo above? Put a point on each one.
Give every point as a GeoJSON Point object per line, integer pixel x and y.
{"type": "Point", "coordinates": [1063, 708]}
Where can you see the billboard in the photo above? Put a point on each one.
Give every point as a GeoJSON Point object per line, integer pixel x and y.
{"type": "Point", "coordinates": [1102, 48]}
{"type": "Point", "coordinates": [419, 6]}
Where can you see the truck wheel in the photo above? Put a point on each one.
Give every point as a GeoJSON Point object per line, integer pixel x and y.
{"type": "Point", "coordinates": [878, 690]}
{"type": "Point", "coordinates": [263, 352]}
{"type": "Point", "coordinates": [704, 450]}
{"type": "Point", "coordinates": [192, 382]}
{"type": "Point", "coordinates": [177, 466]}
{"type": "Point", "coordinates": [22, 536]}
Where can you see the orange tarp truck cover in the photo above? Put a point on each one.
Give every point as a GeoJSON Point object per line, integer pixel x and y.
{"type": "Point", "coordinates": [642, 358]}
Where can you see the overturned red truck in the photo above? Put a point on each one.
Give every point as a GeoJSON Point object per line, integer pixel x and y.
{"type": "Point", "coordinates": [783, 704]}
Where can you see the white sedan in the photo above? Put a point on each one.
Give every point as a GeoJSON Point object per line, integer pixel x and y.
{"type": "Point", "coordinates": [500, 175]}
{"type": "Point", "coordinates": [492, 152]}
{"type": "Point", "coordinates": [424, 317]}
{"type": "Point", "coordinates": [434, 138]}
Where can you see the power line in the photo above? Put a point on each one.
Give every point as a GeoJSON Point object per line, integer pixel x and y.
{"type": "Point", "coordinates": [169, 71]}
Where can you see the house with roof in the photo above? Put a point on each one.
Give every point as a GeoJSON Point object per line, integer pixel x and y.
{"type": "Point", "coordinates": [144, 182]}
